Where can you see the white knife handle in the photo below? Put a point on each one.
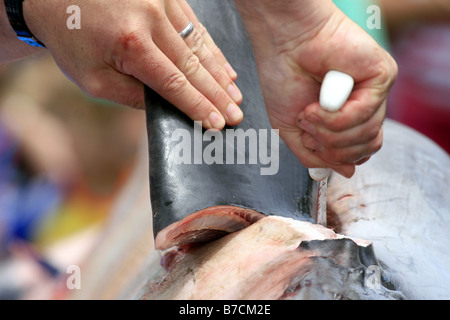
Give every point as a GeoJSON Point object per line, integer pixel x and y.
{"type": "Point", "coordinates": [334, 92]}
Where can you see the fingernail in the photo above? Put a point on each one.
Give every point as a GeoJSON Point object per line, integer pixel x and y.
{"type": "Point", "coordinates": [308, 127]}
{"type": "Point", "coordinates": [216, 121]}
{"type": "Point", "coordinates": [234, 114]}
{"type": "Point", "coordinates": [229, 69]}
{"type": "Point", "coordinates": [234, 93]}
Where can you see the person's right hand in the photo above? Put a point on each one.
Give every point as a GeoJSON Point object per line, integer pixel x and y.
{"type": "Point", "coordinates": [124, 44]}
{"type": "Point", "coordinates": [296, 43]}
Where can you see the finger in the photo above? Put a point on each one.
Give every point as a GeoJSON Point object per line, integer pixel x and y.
{"type": "Point", "coordinates": [361, 134]}
{"type": "Point", "coordinates": [209, 61]}
{"type": "Point", "coordinates": [348, 155]}
{"type": "Point", "coordinates": [208, 40]}
{"type": "Point", "coordinates": [361, 106]}
{"type": "Point", "coordinates": [362, 161]}
{"type": "Point", "coordinates": [172, 45]}
{"type": "Point", "coordinates": [195, 42]}
{"type": "Point", "coordinates": [308, 156]}
{"type": "Point", "coordinates": [147, 63]}
{"type": "Point", "coordinates": [347, 169]}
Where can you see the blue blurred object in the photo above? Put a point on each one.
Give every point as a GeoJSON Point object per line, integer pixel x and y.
{"type": "Point", "coordinates": [25, 199]}
{"type": "Point", "coordinates": [8, 149]}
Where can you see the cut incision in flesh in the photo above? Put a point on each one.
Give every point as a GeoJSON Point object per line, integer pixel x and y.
{"type": "Point", "coordinates": [206, 225]}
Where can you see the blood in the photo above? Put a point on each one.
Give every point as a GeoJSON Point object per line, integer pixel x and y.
{"type": "Point", "coordinates": [333, 221]}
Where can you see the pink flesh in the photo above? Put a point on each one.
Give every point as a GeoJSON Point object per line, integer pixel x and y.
{"type": "Point", "coordinates": [206, 225]}
{"type": "Point", "coordinates": [258, 262]}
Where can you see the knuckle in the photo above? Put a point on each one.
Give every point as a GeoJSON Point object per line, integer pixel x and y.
{"type": "Point", "coordinates": [196, 43]}
{"type": "Point", "coordinates": [155, 10]}
{"type": "Point", "coordinates": [132, 41]}
{"type": "Point", "coordinates": [378, 143]}
{"type": "Point", "coordinates": [201, 29]}
{"type": "Point", "coordinates": [191, 65]}
{"type": "Point", "coordinates": [388, 72]}
{"type": "Point", "coordinates": [174, 83]}
{"type": "Point", "coordinates": [394, 69]}
{"type": "Point", "coordinates": [384, 71]}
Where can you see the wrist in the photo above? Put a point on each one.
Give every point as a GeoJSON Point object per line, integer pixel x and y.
{"type": "Point", "coordinates": [275, 23]}
{"type": "Point", "coordinates": [15, 13]}
{"type": "Point", "coordinates": [12, 47]}
{"type": "Point", "coordinates": [49, 30]}
{"type": "Point", "coordinates": [31, 15]}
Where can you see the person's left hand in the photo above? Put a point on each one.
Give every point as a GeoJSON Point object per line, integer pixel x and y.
{"type": "Point", "coordinates": [122, 45]}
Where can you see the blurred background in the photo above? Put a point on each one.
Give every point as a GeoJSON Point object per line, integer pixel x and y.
{"type": "Point", "coordinates": [73, 169]}
{"type": "Point", "coordinates": [420, 42]}
{"type": "Point", "coordinates": [65, 159]}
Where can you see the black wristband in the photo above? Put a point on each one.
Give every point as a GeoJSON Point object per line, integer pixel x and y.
{"type": "Point", "coordinates": [14, 10]}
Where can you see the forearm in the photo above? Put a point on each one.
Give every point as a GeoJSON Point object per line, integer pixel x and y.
{"type": "Point", "coordinates": [11, 47]}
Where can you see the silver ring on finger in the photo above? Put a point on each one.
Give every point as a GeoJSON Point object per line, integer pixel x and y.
{"type": "Point", "coordinates": [187, 31]}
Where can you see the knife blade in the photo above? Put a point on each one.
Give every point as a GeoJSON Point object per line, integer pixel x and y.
{"type": "Point", "coordinates": [334, 92]}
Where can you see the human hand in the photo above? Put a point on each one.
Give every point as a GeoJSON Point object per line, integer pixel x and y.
{"type": "Point", "coordinates": [124, 44]}
{"type": "Point", "coordinates": [295, 45]}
